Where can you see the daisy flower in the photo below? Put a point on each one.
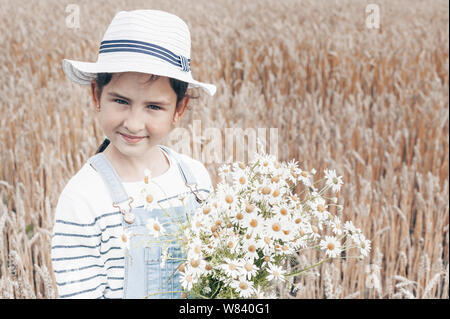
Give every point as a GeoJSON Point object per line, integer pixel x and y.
{"type": "Point", "coordinates": [195, 248]}
{"type": "Point", "coordinates": [266, 164]}
{"type": "Point", "coordinates": [250, 247]}
{"type": "Point", "coordinates": [350, 229]}
{"type": "Point", "coordinates": [241, 179]}
{"type": "Point", "coordinates": [196, 266]}
{"type": "Point", "coordinates": [197, 225]}
{"type": "Point", "coordinates": [332, 180]}
{"type": "Point", "coordinates": [287, 229]}
{"type": "Point", "coordinates": [231, 267]}
{"type": "Point", "coordinates": [362, 243]}
{"type": "Point", "coordinates": [267, 245]}
{"type": "Point", "coordinates": [253, 223]}
{"type": "Point", "coordinates": [227, 198]}
{"type": "Point", "coordinates": [275, 272]}
{"type": "Point", "coordinates": [273, 229]}
{"type": "Point", "coordinates": [187, 280]}
{"type": "Point", "coordinates": [224, 171]}
{"type": "Point", "coordinates": [331, 245]}
{"type": "Point", "coordinates": [232, 243]}
{"type": "Point", "coordinates": [319, 209]}
{"type": "Point", "coordinates": [249, 269]}
{"type": "Point", "coordinates": [335, 225]}
{"type": "Point", "coordinates": [293, 171]}
{"type": "Point", "coordinates": [243, 287]}
{"type": "Point", "coordinates": [155, 228]}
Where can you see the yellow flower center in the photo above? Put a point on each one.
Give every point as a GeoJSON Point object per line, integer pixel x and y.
{"type": "Point", "coordinates": [231, 266]}
{"type": "Point", "coordinates": [243, 286]}
{"type": "Point", "coordinates": [249, 208]}
{"type": "Point", "coordinates": [229, 199]}
{"type": "Point", "coordinates": [124, 238]}
{"type": "Point", "coordinates": [149, 198]}
{"type": "Point", "coordinates": [156, 227]}
{"type": "Point", "coordinates": [276, 227]}
{"type": "Point", "coordinates": [266, 190]}
{"type": "Point", "coordinates": [252, 248]}
{"type": "Point", "coordinates": [242, 180]}
{"type": "Point", "coordinates": [283, 211]}
{"type": "Point", "coordinates": [248, 267]}
{"type": "Point", "coordinates": [195, 263]}
{"type": "Point", "coordinates": [239, 216]}
{"type": "Point", "coordinates": [206, 210]}
{"type": "Point", "coordinates": [254, 223]}
{"type": "Point", "coordinates": [276, 193]}
{"type": "Point", "coordinates": [330, 246]}
{"type": "Point", "coordinates": [320, 208]}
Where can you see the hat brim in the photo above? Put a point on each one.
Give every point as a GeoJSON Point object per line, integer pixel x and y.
{"type": "Point", "coordinates": [85, 72]}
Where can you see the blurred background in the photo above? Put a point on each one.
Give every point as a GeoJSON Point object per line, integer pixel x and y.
{"type": "Point", "coordinates": [368, 100]}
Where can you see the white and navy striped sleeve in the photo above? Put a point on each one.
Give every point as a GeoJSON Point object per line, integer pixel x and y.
{"type": "Point", "coordinates": [77, 263]}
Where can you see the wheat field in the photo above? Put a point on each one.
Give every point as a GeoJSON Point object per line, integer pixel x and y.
{"type": "Point", "coordinates": [370, 103]}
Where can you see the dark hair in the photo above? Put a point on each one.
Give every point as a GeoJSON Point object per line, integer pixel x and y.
{"type": "Point", "coordinates": [179, 87]}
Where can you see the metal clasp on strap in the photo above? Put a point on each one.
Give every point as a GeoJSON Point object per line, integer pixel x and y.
{"type": "Point", "coordinates": [198, 197]}
{"type": "Point", "coordinates": [127, 216]}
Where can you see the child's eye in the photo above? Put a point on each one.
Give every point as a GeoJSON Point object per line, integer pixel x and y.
{"type": "Point", "coordinates": [154, 107]}
{"type": "Point", "coordinates": [120, 101]}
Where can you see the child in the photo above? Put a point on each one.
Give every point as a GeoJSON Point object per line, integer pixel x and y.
{"type": "Point", "coordinates": [138, 87]}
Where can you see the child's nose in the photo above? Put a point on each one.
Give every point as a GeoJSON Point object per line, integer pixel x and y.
{"type": "Point", "coordinates": [134, 122]}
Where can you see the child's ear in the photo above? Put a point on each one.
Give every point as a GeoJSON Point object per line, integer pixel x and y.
{"type": "Point", "coordinates": [94, 92]}
{"type": "Point", "coordinates": [180, 109]}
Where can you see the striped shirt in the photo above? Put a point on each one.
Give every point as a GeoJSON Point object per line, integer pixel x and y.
{"type": "Point", "coordinates": [87, 259]}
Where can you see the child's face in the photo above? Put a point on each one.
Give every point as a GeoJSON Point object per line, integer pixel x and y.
{"type": "Point", "coordinates": [133, 106]}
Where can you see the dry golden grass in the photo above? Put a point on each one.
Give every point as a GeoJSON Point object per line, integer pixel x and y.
{"type": "Point", "coordinates": [372, 104]}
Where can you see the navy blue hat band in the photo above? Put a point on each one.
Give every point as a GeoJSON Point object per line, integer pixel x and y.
{"type": "Point", "coordinates": [145, 48]}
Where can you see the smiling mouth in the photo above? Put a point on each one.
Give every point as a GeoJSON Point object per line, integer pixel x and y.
{"type": "Point", "coordinates": [132, 139]}
{"type": "Point", "coordinates": [131, 136]}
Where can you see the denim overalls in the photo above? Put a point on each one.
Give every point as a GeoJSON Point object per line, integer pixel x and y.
{"type": "Point", "coordinates": [143, 275]}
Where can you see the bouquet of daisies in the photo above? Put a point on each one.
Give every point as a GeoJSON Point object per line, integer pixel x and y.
{"type": "Point", "coordinates": [239, 242]}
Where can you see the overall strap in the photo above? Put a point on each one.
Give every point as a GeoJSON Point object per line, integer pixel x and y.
{"type": "Point", "coordinates": [102, 165]}
{"type": "Point", "coordinates": [185, 171]}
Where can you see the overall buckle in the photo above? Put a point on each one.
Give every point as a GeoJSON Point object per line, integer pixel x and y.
{"type": "Point", "coordinates": [127, 216]}
{"type": "Point", "coordinates": [198, 197]}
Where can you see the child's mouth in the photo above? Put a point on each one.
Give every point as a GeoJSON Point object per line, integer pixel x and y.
{"type": "Point", "coordinates": [131, 139]}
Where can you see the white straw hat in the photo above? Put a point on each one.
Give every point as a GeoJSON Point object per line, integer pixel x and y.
{"type": "Point", "coordinates": [147, 41]}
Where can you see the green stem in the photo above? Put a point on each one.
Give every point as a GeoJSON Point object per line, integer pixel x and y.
{"type": "Point", "coordinates": [307, 268]}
